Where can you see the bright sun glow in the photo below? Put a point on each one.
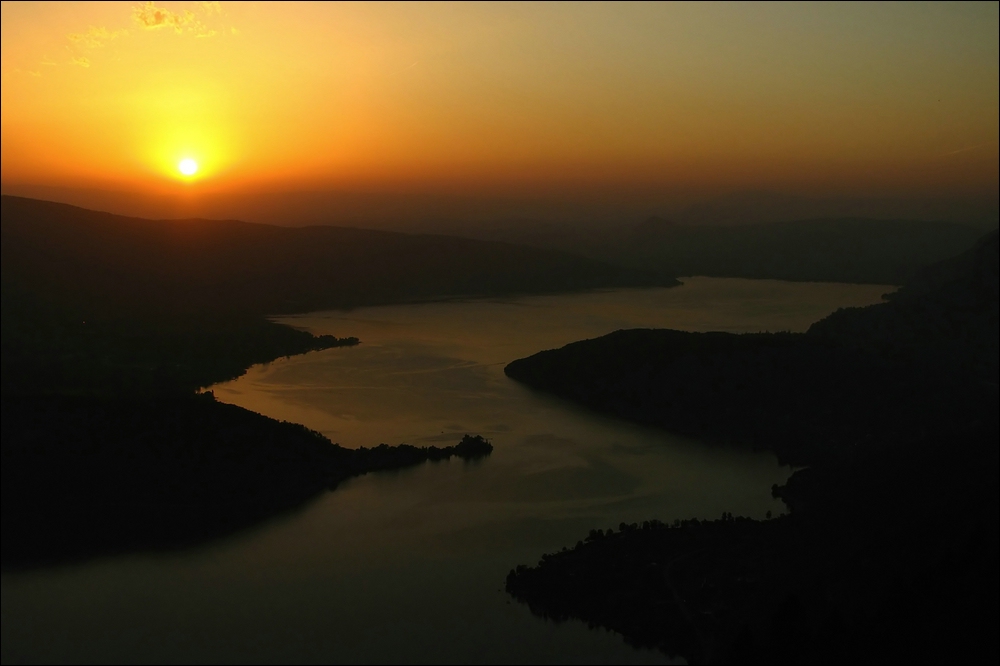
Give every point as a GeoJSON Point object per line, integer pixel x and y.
{"type": "Point", "coordinates": [188, 166]}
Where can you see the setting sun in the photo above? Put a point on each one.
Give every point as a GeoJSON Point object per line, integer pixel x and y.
{"type": "Point", "coordinates": [188, 167]}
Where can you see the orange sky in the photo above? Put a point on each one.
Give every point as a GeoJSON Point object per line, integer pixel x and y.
{"type": "Point", "coordinates": [531, 100]}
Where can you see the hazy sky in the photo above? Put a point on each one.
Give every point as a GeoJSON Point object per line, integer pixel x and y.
{"type": "Point", "coordinates": [543, 100]}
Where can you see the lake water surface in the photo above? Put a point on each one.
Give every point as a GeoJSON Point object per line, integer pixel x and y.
{"type": "Point", "coordinates": [409, 566]}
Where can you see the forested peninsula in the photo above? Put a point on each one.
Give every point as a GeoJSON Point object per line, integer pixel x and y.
{"type": "Point", "coordinates": [888, 551]}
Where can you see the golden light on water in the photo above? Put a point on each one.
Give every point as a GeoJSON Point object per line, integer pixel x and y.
{"type": "Point", "coordinates": [188, 166]}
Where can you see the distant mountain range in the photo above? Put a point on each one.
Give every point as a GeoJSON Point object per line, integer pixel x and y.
{"type": "Point", "coordinates": [825, 250]}
{"type": "Point", "coordinates": [847, 249]}
{"type": "Point", "coordinates": [486, 214]}
{"type": "Point", "coordinates": [753, 235]}
{"type": "Point", "coordinates": [96, 260]}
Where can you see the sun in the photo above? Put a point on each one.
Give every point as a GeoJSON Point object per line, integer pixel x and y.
{"type": "Point", "coordinates": [187, 166]}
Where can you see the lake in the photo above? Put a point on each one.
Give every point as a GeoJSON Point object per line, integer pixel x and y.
{"type": "Point", "coordinates": [409, 566]}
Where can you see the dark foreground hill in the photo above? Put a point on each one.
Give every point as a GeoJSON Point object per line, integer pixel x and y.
{"type": "Point", "coordinates": [889, 551]}
{"type": "Point", "coordinates": [86, 476]}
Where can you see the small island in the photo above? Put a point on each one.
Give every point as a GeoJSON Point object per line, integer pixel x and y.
{"type": "Point", "coordinates": [385, 457]}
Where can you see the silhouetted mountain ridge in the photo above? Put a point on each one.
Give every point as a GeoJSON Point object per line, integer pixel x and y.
{"type": "Point", "coordinates": [829, 249]}
{"type": "Point", "coordinates": [99, 260]}
{"type": "Point", "coordinates": [859, 250]}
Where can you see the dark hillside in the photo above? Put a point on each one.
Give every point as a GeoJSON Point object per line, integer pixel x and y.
{"type": "Point", "coordinates": [97, 261]}
{"type": "Point", "coordinates": [859, 377]}
{"type": "Point", "coordinates": [801, 397]}
{"type": "Point", "coordinates": [889, 551]}
{"type": "Point", "coordinates": [945, 316]}
{"type": "Point", "coordinates": [86, 476]}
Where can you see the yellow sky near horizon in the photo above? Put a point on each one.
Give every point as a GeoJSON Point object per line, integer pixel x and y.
{"type": "Point", "coordinates": [532, 98]}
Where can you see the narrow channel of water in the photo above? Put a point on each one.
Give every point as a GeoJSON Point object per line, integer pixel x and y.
{"type": "Point", "coordinates": [409, 566]}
